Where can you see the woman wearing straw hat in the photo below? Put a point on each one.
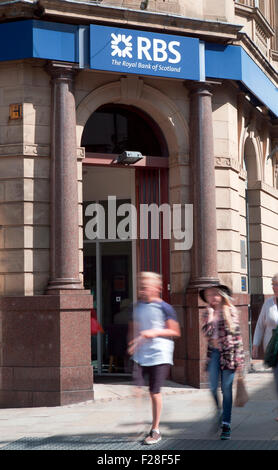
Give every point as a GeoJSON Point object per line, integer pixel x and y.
{"type": "Point", "coordinates": [225, 350]}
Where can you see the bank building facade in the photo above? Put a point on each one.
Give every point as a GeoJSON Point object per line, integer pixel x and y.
{"type": "Point", "coordinates": [107, 107]}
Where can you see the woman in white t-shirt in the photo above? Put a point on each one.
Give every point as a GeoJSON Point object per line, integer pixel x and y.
{"type": "Point", "coordinates": [267, 321]}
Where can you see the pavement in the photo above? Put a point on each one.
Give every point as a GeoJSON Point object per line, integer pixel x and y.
{"type": "Point", "coordinates": [117, 420]}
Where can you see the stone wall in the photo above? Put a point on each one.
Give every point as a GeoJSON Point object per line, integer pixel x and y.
{"type": "Point", "coordinates": [263, 236]}
{"type": "Point", "coordinates": [24, 184]}
{"type": "Point", "coordinates": [220, 10]}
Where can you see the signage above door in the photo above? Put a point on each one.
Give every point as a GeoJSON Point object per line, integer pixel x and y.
{"type": "Point", "coordinates": [144, 53]}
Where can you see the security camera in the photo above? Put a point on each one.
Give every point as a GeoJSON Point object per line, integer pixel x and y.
{"type": "Point", "coordinates": [129, 157]}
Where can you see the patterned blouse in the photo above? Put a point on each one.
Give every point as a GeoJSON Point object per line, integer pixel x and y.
{"type": "Point", "coordinates": [229, 343]}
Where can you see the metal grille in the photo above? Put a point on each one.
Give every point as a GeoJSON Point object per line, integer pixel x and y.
{"type": "Point", "coordinates": [117, 443]}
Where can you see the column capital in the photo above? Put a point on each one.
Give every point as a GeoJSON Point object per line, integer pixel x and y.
{"type": "Point", "coordinates": [206, 87]}
{"type": "Point", "coordinates": [61, 71]}
{"type": "Point", "coordinates": [203, 282]}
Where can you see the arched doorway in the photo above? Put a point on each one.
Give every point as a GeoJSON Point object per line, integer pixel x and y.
{"type": "Point", "coordinates": [110, 189]}
{"type": "Point", "coordinates": [252, 223]}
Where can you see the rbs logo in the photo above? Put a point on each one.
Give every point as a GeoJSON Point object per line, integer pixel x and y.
{"type": "Point", "coordinates": [156, 50]}
{"type": "Point", "coordinates": [161, 50]}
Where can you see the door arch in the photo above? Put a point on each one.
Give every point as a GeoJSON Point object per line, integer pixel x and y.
{"type": "Point", "coordinates": [134, 92]}
{"type": "Point", "coordinates": [252, 166]}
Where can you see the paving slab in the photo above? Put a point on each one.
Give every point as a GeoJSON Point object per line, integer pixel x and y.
{"type": "Point", "coordinates": [118, 419]}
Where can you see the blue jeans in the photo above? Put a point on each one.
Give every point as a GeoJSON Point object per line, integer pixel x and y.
{"type": "Point", "coordinates": [227, 377]}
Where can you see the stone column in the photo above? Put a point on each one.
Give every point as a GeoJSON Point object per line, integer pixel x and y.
{"type": "Point", "coordinates": [204, 259]}
{"type": "Point", "coordinates": [64, 185]}
{"type": "Point", "coordinates": [46, 339]}
{"type": "Point", "coordinates": [204, 251]}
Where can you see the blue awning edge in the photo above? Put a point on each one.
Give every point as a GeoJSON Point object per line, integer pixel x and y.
{"type": "Point", "coordinates": [71, 43]}
{"type": "Point", "coordinates": [233, 63]}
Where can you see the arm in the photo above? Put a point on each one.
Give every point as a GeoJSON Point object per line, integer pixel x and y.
{"type": "Point", "coordinates": [171, 324]}
{"type": "Point", "coordinates": [134, 338]}
{"type": "Point", "coordinates": [172, 329]}
{"type": "Point", "coordinates": [207, 327]}
{"type": "Point", "coordinates": [259, 332]}
{"type": "Point", "coordinates": [238, 343]}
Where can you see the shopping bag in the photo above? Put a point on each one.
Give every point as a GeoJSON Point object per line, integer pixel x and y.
{"type": "Point", "coordinates": [95, 326]}
{"type": "Point", "coordinates": [241, 397]}
{"type": "Point", "coordinates": [271, 352]}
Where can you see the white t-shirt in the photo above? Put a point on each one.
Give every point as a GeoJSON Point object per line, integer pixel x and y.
{"type": "Point", "coordinates": [148, 316]}
{"type": "Point", "coordinates": [267, 321]}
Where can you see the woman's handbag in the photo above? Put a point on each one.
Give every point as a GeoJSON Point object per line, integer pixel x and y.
{"type": "Point", "coordinates": [241, 397]}
{"type": "Point", "coordinates": [271, 352]}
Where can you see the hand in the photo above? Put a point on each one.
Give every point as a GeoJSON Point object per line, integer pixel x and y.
{"type": "Point", "coordinates": [210, 315]}
{"type": "Point", "coordinates": [130, 349]}
{"type": "Point", "coordinates": [133, 344]}
{"type": "Point", "coordinates": [255, 352]}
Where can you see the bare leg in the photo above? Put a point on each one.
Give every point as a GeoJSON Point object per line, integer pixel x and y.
{"type": "Point", "coordinates": [156, 399]}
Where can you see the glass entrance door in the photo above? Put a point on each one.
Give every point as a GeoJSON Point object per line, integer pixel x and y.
{"type": "Point", "coordinates": [108, 274]}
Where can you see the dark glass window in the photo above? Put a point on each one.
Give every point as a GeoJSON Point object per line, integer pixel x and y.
{"type": "Point", "coordinates": [114, 128]}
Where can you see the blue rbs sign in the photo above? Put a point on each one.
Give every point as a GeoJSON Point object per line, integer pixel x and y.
{"type": "Point", "coordinates": [144, 53]}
